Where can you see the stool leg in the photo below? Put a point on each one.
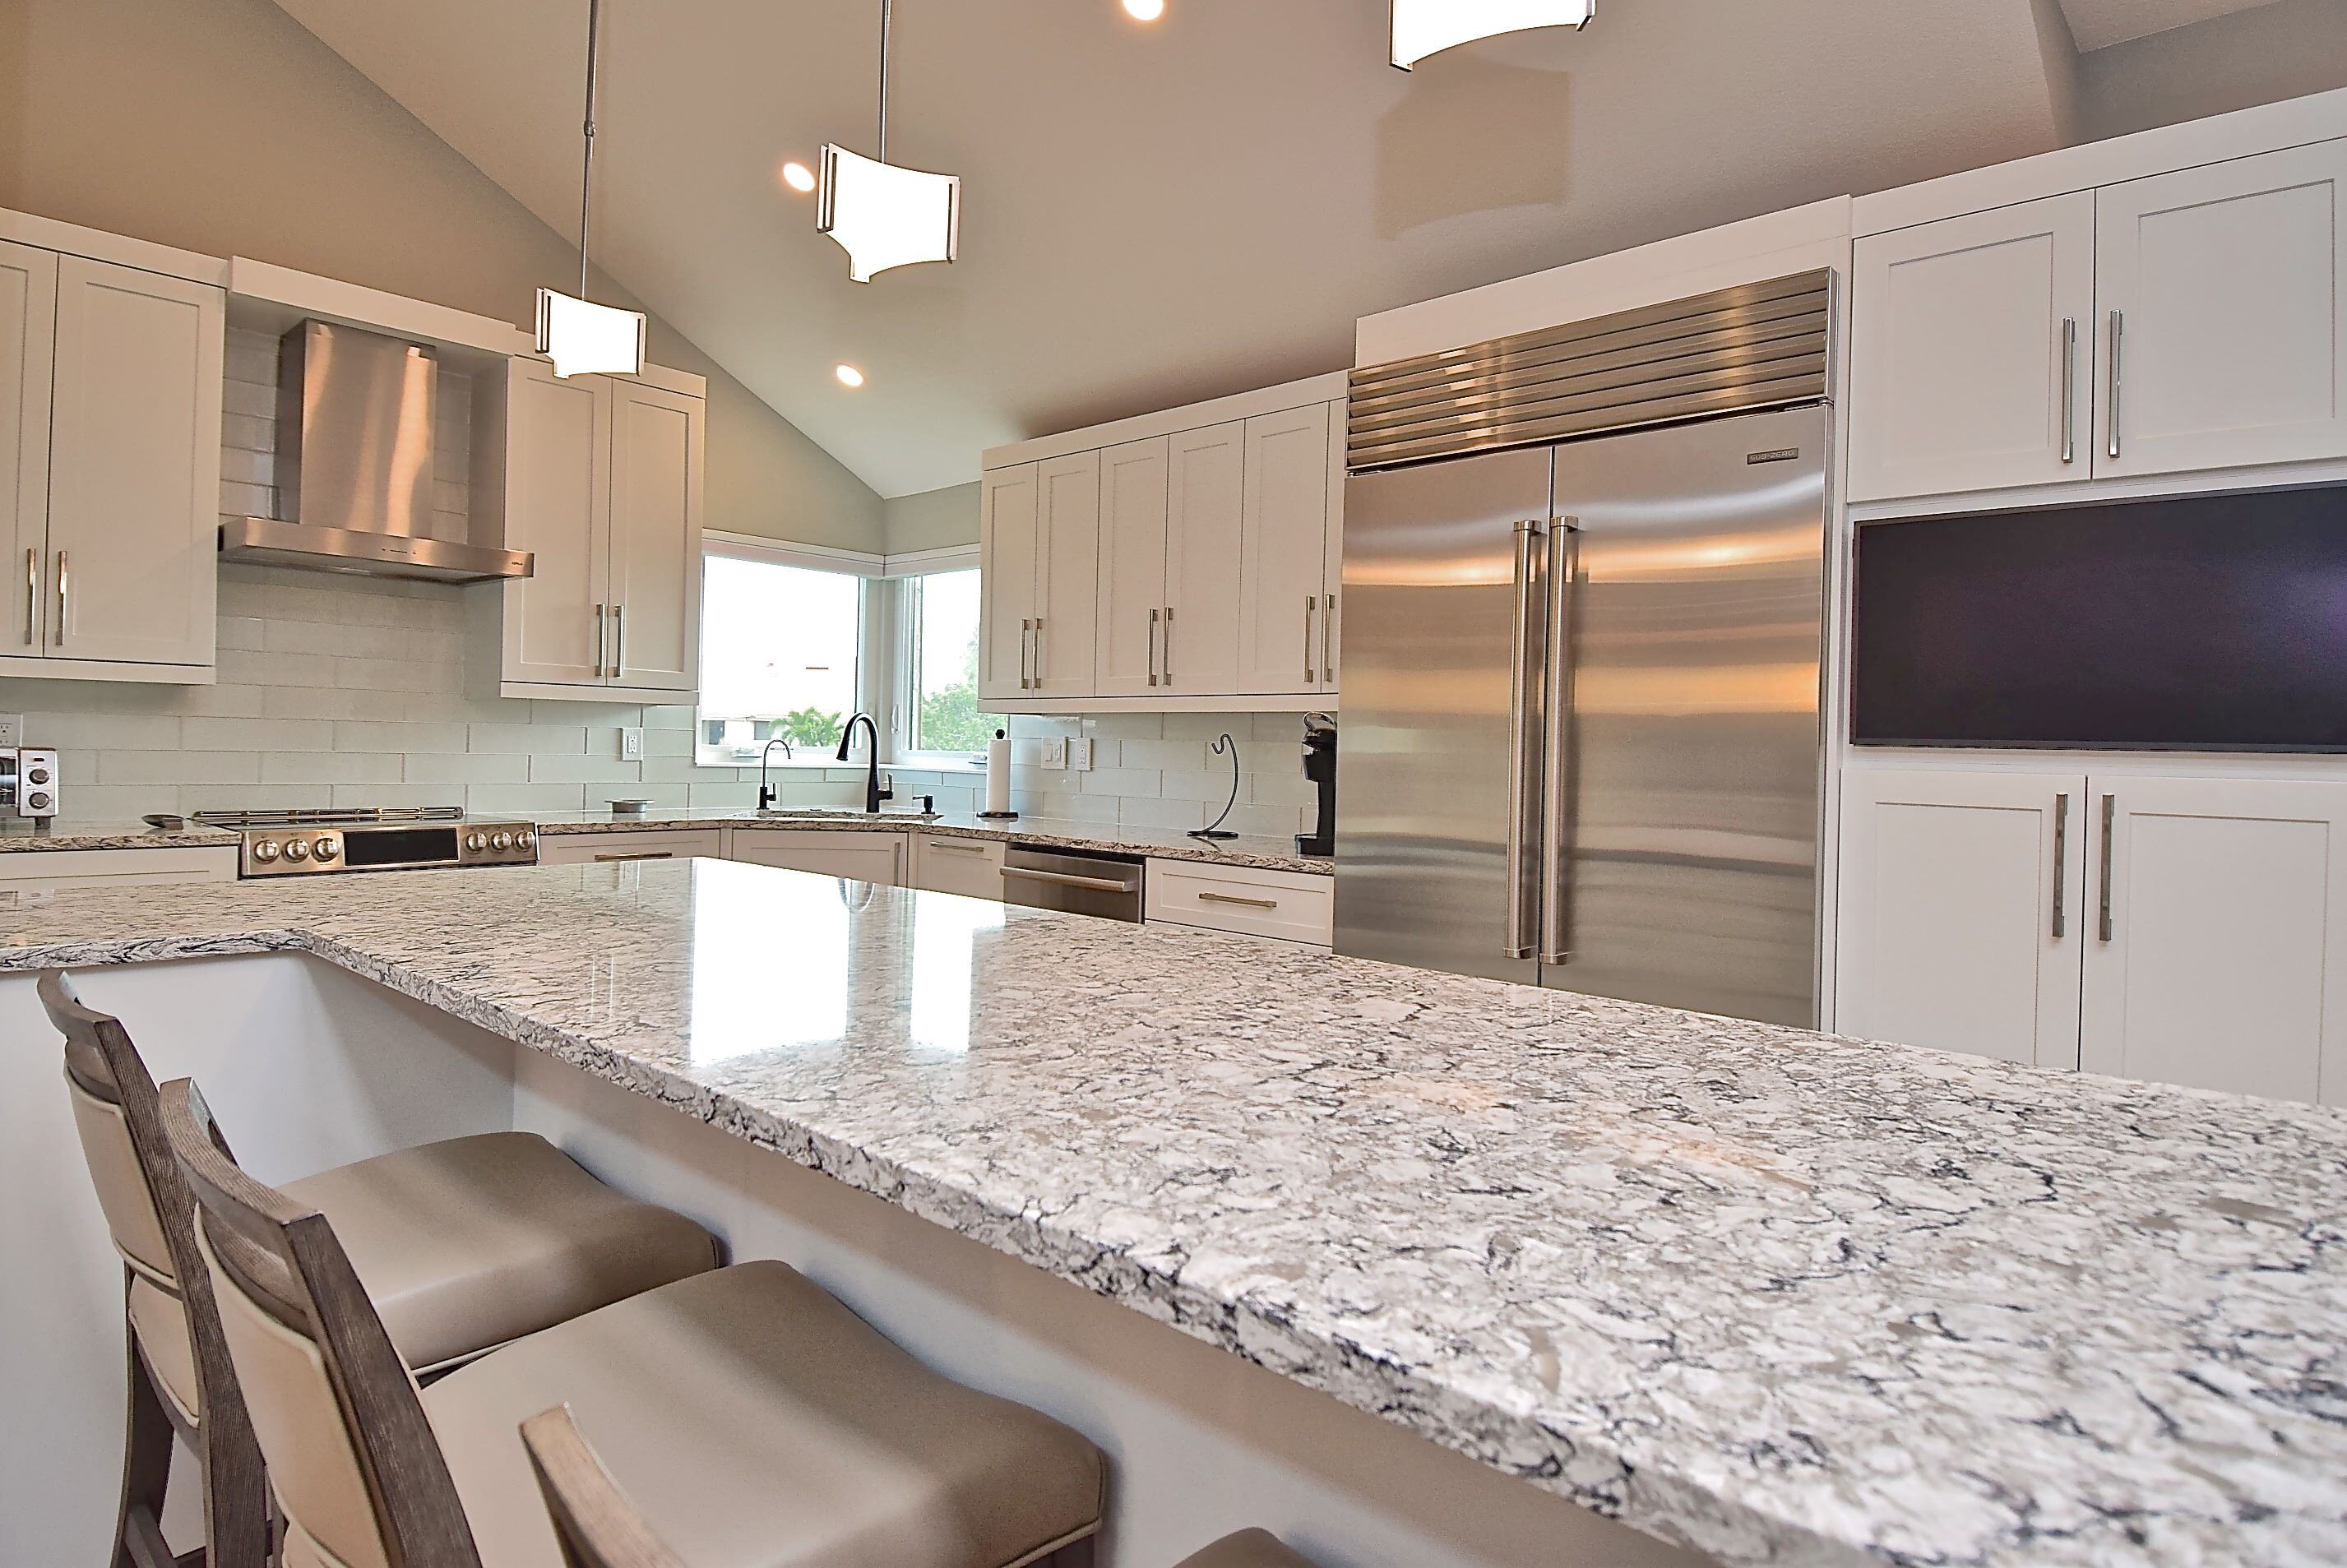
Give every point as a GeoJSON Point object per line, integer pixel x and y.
{"type": "Point", "coordinates": [146, 1465]}
{"type": "Point", "coordinates": [240, 1521]}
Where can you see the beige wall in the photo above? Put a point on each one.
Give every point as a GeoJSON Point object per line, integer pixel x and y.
{"type": "Point", "coordinates": [224, 127]}
{"type": "Point", "coordinates": [2283, 50]}
{"type": "Point", "coordinates": [932, 520]}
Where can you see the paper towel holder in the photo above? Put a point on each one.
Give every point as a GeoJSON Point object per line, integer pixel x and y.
{"type": "Point", "coordinates": [998, 816]}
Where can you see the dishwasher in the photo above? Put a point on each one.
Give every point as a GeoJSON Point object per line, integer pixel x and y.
{"type": "Point", "coordinates": [1073, 881]}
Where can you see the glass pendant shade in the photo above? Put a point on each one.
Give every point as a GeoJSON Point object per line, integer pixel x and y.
{"type": "Point", "coordinates": [584, 338]}
{"type": "Point", "coordinates": [884, 216]}
{"type": "Point", "coordinates": [1423, 27]}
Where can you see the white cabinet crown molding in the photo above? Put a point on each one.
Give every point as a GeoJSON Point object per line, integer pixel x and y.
{"type": "Point", "coordinates": [1328, 388]}
{"type": "Point", "coordinates": [98, 245]}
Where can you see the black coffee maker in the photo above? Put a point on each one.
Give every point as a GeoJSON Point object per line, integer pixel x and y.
{"type": "Point", "coordinates": [1320, 768]}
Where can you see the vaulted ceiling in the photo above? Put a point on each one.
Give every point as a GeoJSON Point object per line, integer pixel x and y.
{"type": "Point", "coordinates": [1158, 213]}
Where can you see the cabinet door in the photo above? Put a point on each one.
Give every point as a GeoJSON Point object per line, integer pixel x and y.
{"type": "Point", "coordinates": [876, 857]}
{"type": "Point", "coordinates": [29, 325]}
{"type": "Point", "coordinates": [1006, 559]}
{"type": "Point", "coordinates": [1133, 601]}
{"type": "Point", "coordinates": [943, 863]}
{"type": "Point", "coordinates": [134, 465]}
{"type": "Point", "coordinates": [2224, 325]}
{"type": "Point", "coordinates": [1067, 574]}
{"type": "Point", "coordinates": [557, 507]}
{"type": "Point", "coordinates": [1205, 530]}
{"type": "Point", "coordinates": [1283, 558]}
{"type": "Point", "coordinates": [2223, 961]}
{"type": "Point", "coordinates": [593, 848]}
{"type": "Point", "coordinates": [1972, 352]}
{"type": "Point", "coordinates": [656, 459]}
{"type": "Point", "coordinates": [1962, 912]}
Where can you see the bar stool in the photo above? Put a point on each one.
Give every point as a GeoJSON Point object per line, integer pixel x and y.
{"type": "Point", "coordinates": [758, 1421]}
{"type": "Point", "coordinates": [463, 1245]}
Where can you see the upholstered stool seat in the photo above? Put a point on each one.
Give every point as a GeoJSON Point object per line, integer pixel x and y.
{"type": "Point", "coordinates": [756, 1422]}
{"type": "Point", "coordinates": [1247, 1548]}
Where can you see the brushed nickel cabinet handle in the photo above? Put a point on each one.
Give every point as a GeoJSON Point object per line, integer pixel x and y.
{"type": "Point", "coordinates": [1026, 629]}
{"type": "Point", "coordinates": [2069, 389]}
{"type": "Point", "coordinates": [2061, 865]}
{"type": "Point", "coordinates": [603, 641]}
{"type": "Point", "coordinates": [619, 639]}
{"type": "Point", "coordinates": [650, 855]}
{"type": "Point", "coordinates": [2110, 820]}
{"type": "Point", "coordinates": [64, 597]}
{"type": "Point", "coordinates": [1311, 607]}
{"type": "Point", "coordinates": [1152, 648]}
{"type": "Point", "coordinates": [1234, 898]}
{"type": "Point", "coordinates": [32, 597]}
{"type": "Point", "coordinates": [1329, 640]}
{"type": "Point", "coordinates": [2118, 342]}
{"type": "Point", "coordinates": [1039, 653]}
{"type": "Point", "coordinates": [953, 847]}
{"type": "Point", "coordinates": [1169, 645]}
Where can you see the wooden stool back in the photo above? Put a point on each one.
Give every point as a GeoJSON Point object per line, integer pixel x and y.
{"type": "Point", "coordinates": [598, 1526]}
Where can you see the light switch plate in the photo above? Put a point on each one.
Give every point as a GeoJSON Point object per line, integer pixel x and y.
{"type": "Point", "coordinates": [632, 745]}
{"type": "Point", "coordinates": [1080, 753]}
{"type": "Point", "coordinates": [12, 730]}
{"type": "Point", "coordinates": [1055, 752]}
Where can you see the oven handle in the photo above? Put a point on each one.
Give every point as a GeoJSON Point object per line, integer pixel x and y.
{"type": "Point", "coordinates": [1068, 879]}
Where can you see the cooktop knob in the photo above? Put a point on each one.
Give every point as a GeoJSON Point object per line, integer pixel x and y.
{"type": "Point", "coordinates": [38, 800]}
{"type": "Point", "coordinates": [501, 842]}
{"type": "Point", "coordinates": [36, 776]}
{"type": "Point", "coordinates": [297, 849]}
{"type": "Point", "coordinates": [325, 849]}
{"type": "Point", "coordinates": [524, 839]}
{"type": "Point", "coordinates": [264, 850]}
{"type": "Point", "coordinates": [476, 842]}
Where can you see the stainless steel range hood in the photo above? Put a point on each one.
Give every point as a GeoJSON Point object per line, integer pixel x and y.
{"type": "Point", "coordinates": [356, 415]}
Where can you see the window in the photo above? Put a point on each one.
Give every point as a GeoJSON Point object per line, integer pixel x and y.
{"type": "Point", "coordinates": [778, 657]}
{"type": "Point", "coordinates": [938, 613]}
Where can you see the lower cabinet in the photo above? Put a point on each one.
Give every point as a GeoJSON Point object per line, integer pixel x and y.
{"type": "Point", "coordinates": [593, 848]}
{"type": "Point", "coordinates": [30, 874]}
{"type": "Point", "coordinates": [875, 857]}
{"type": "Point", "coordinates": [1289, 905]}
{"type": "Point", "coordinates": [946, 863]}
{"type": "Point", "coordinates": [2186, 930]}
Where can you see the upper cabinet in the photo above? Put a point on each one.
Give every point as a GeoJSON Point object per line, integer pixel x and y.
{"type": "Point", "coordinates": [2189, 321]}
{"type": "Point", "coordinates": [599, 478]}
{"type": "Point", "coordinates": [110, 383]}
{"type": "Point", "coordinates": [1193, 565]}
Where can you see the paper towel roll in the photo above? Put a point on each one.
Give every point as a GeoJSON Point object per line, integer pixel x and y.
{"type": "Point", "coordinates": [998, 775]}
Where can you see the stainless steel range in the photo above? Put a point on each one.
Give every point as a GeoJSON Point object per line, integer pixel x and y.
{"type": "Point", "coordinates": [395, 838]}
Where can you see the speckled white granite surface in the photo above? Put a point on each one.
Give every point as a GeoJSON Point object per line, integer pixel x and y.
{"type": "Point", "coordinates": [1785, 1299]}
{"type": "Point", "coordinates": [103, 833]}
{"type": "Point", "coordinates": [1266, 853]}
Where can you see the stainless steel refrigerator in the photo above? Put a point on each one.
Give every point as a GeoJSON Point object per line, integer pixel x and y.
{"type": "Point", "coordinates": [1581, 742]}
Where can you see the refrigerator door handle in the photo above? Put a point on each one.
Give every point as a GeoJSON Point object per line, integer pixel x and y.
{"type": "Point", "coordinates": [1523, 754]}
{"type": "Point", "coordinates": [1556, 738]}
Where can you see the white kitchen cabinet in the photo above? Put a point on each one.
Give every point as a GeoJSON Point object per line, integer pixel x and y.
{"type": "Point", "coordinates": [1204, 532]}
{"type": "Point", "coordinates": [1284, 644]}
{"type": "Point", "coordinates": [2223, 299]}
{"type": "Point", "coordinates": [599, 478]}
{"type": "Point", "coordinates": [628, 846]}
{"type": "Point", "coordinates": [1973, 351]}
{"type": "Point", "coordinates": [2221, 959]}
{"type": "Point", "coordinates": [875, 857]}
{"type": "Point", "coordinates": [949, 863]}
{"type": "Point", "coordinates": [1007, 575]}
{"type": "Point", "coordinates": [28, 876]}
{"type": "Point", "coordinates": [1131, 605]}
{"type": "Point", "coordinates": [1961, 922]}
{"type": "Point", "coordinates": [110, 421]}
{"type": "Point", "coordinates": [1039, 559]}
{"type": "Point", "coordinates": [1245, 900]}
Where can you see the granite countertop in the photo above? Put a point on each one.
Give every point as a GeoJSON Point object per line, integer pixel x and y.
{"type": "Point", "coordinates": [1164, 843]}
{"type": "Point", "coordinates": [1775, 1296]}
{"type": "Point", "coordinates": [108, 832]}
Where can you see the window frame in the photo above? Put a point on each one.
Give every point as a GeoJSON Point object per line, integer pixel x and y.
{"type": "Point", "coordinates": [902, 573]}
{"type": "Point", "coordinates": [871, 619]}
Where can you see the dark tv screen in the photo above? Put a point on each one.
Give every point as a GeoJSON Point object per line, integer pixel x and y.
{"type": "Point", "coordinates": [2207, 623]}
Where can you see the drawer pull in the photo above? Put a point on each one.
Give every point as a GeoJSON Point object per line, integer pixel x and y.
{"type": "Point", "coordinates": [655, 855]}
{"type": "Point", "coordinates": [950, 847]}
{"type": "Point", "coordinates": [1234, 898]}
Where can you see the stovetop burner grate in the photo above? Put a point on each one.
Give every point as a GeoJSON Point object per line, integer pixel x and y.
{"type": "Point", "coordinates": [336, 816]}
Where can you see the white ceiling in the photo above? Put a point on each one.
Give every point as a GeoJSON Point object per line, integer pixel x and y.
{"type": "Point", "coordinates": [2099, 24]}
{"type": "Point", "coordinates": [1159, 214]}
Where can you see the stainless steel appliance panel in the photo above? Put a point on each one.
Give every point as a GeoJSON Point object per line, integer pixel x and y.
{"type": "Point", "coordinates": [1074, 881]}
{"type": "Point", "coordinates": [1691, 750]}
{"type": "Point", "coordinates": [1436, 617]}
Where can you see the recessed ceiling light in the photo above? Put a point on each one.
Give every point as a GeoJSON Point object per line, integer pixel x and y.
{"type": "Point", "coordinates": [799, 177]}
{"type": "Point", "coordinates": [1144, 10]}
{"type": "Point", "coordinates": [848, 376]}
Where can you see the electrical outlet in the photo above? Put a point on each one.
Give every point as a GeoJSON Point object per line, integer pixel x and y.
{"type": "Point", "coordinates": [1080, 754]}
{"type": "Point", "coordinates": [12, 730]}
{"type": "Point", "coordinates": [632, 745]}
{"type": "Point", "coordinates": [1055, 752]}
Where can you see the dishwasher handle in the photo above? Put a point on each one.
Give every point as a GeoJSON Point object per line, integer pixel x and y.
{"type": "Point", "coordinates": [1069, 879]}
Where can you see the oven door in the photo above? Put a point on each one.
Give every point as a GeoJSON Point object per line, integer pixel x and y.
{"type": "Point", "coordinates": [1073, 881]}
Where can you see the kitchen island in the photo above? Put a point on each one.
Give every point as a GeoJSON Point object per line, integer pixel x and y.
{"type": "Point", "coordinates": [1767, 1295]}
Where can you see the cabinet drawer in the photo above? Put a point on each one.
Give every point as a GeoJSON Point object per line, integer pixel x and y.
{"type": "Point", "coordinates": [51, 870]}
{"type": "Point", "coordinates": [875, 857]}
{"type": "Point", "coordinates": [592, 848]}
{"type": "Point", "coordinates": [1289, 905]}
{"type": "Point", "coordinates": [944, 863]}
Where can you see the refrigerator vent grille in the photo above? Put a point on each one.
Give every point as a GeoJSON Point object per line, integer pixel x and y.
{"type": "Point", "coordinates": [1756, 346]}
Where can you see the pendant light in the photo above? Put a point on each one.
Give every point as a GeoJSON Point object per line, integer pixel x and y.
{"type": "Point", "coordinates": [581, 336]}
{"type": "Point", "coordinates": [1423, 27]}
{"type": "Point", "coordinates": [881, 215]}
